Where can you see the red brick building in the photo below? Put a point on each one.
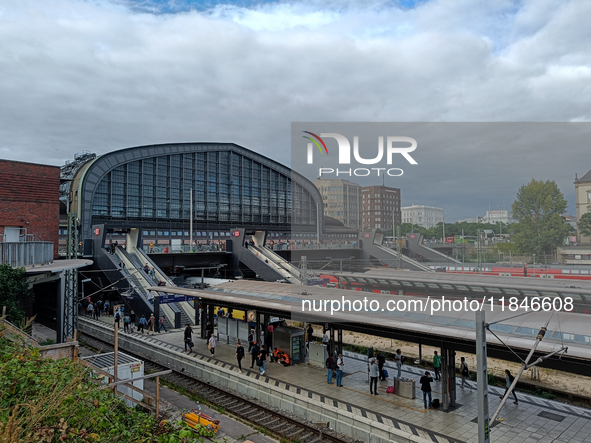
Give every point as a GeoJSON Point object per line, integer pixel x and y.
{"type": "Point", "coordinates": [380, 207]}
{"type": "Point", "coordinates": [29, 202]}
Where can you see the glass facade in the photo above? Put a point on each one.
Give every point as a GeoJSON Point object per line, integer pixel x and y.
{"type": "Point", "coordinates": [228, 189]}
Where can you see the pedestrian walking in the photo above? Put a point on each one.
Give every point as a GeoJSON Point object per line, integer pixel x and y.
{"type": "Point", "coordinates": [437, 365]}
{"type": "Point", "coordinates": [152, 324]}
{"type": "Point", "coordinates": [309, 331]}
{"type": "Point", "coordinates": [132, 321]}
{"type": "Point", "coordinates": [239, 355]}
{"type": "Point", "coordinates": [262, 359]}
{"type": "Point", "coordinates": [89, 310]}
{"type": "Point", "coordinates": [425, 382]}
{"type": "Point", "coordinates": [126, 323]}
{"type": "Point", "coordinates": [508, 382]}
{"type": "Point", "coordinates": [143, 324]}
{"type": "Point", "coordinates": [330, 367]}
{"type": "Point", "coordinates": [162, 325]}
{"type": "Point", "coordinates": [254, 352]}
{"type": "Point", "coordinates": [374, 372]}
{"type": "Point", "coordinates": [381, 359]}
{"type": "Point", "coordinates": [340, 365]}
{"type": "Point", "coordinates": [464, 371]}
{"type": "Point", "coordinates": [398, 359]}
{"type": "Point", "coordinates": [211, 344]}
{"type": "Point", "coordinates": [188, 338]}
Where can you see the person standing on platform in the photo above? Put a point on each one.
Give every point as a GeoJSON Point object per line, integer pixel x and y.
{"type": "Point", "coordinates": [132, 320]}
{"type": "Point", "coordinates": [126, 322]}
{"type": "Point", "coordinates": [263, 359]}
{"type": "Point", "coordinates": [211, 344]}
{"type": "Point", "coordinates": [330, 366]}
{"type": "Point", "coordinates": [269, 342]}
{"type": "Point", "coordinates": [437, 365]}
{"type": "Point", "coordinates": [254, 352]}
{"type": "Point", "coordinates": [96, 311]}
{"type": "Point", "coordinates": [398, 358]}
{"type": "Point", "coordinates": [464, 371]}
{"type": "Point", "coordinates": [250, 337]}
{"type": "Point", "coordinates": [162, 325]}
{"type": "Point", "coordinates": [208, 330]}
{"type": "Point", "coordinates": [426, 388]}
{"type": "Point", "coordinates": [508, 381]}
{"type": "Point", "coordinates": [381, 362]}
{"type": "Point", "coordinates": [152, 324]}
{"type": "Point", "coordinates": [188, 338]}
{"type": "Point", "coordinates": [117, 318]}
{"type": "Point", "coordinates": [89, 310]}
{"type": "Point", "coordinates": [374, 372]}
{"type": "Point", "coordinates": [310, 332]}
{"type": "Point", "coordinates": [340, 365]}
{"type": "Point", "coordinates": [143, 324]}
{"type": "Point", "coordinates": [239, 355]}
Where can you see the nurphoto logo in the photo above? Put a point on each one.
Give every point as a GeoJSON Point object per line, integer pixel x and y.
{"type": "Point", "coordinates": [394, 145]}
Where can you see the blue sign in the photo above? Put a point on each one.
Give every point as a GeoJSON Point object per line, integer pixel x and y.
{"type": "Point", "coordinates": [173, 298]}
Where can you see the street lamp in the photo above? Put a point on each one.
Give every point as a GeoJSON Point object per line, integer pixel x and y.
{"type": "Point", "coordinates": [534, 265]}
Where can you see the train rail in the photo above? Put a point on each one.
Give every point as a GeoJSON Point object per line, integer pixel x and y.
{"type": "Point", "coordinates": [275, 422]}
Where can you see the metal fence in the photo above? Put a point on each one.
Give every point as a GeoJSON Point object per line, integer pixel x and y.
{"type": "Point", "coordinates": [20, 254]}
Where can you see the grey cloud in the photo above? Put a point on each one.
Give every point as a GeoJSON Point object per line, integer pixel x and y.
{"type": "Point", "coordinates": [98, 76]}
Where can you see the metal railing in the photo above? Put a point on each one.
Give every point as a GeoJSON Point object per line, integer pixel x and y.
{"type": "Point", "coordinates": [20, 254]}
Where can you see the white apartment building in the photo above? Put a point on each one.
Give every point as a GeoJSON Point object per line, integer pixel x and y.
{"type": "Point", "coordinates": [425, 216]}
{"type": "Point", "coordinates": [498, 216]}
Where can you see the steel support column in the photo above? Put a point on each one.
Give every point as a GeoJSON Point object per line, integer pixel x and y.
{"type": "Point", "coordinates": [68, 299]}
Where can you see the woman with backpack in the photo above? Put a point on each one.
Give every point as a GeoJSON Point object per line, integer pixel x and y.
{"type": "Point", "coordinates": [464, 371]}
{"type": "Point", "coordinates": [508, 382]}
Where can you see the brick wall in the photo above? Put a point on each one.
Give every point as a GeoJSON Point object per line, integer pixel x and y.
{"type": "Point", "coordinates": [29, 198]}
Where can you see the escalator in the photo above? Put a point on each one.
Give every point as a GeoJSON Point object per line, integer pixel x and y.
{"type": "Point", "coordinates": [287, 269]}
{"type": "Point", "coordinates": [186, 308]}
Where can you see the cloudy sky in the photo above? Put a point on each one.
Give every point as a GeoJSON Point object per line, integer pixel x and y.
{"type": "Point", "coordinates": [104, 75]}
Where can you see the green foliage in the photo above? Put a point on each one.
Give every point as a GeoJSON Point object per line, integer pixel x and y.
{"type": "Point", "coordinates": [506, 247]}
{"type": "Point", "coordinates": [538, 209]}
{"type": "Point", "coordinates": [13, 289]}
{"type": "Point", "coordinates": [44, 400]}
{"type": "Point", "coordinates": [585, 224]}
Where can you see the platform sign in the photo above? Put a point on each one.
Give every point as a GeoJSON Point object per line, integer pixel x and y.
{"type": "Point", "coordinates": [173, 298]}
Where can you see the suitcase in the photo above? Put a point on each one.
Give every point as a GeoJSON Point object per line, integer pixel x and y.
{"type": "Point", "coordinates": [386, 375]}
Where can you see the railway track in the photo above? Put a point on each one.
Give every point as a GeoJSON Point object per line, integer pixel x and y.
{"type": "Point", "coordinates": [276, 423]}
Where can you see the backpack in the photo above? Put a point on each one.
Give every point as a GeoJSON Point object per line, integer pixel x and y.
{"type": "Point", "coordinates": [117, 315]}
{"type": "Point", "coordinates": [511, 378]}
{"type": "Point", "coordinates": [435, 403]}
{"type": "Point", "coordinates": [465, 371]}
{"type": "Point", "coordinates": [250, 337]}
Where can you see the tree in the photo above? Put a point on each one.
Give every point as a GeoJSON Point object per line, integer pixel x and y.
{"type": "Point", "coordinates": [538, 209]}
{"type": "Point", "coordinates": [585, 224]}
{"type": "Point", "coordinates": [13, 289]}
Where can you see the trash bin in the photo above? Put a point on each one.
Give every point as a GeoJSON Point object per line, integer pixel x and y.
{"type": "Point", "coordinates": [405, 387]}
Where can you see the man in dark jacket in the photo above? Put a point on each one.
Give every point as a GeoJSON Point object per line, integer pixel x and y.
{"type": "Point", "coordinates": [188, 332]}
{"type": "Point", "coordinates": [208, 331]}
{"type": "Point", "coordinates": [239, 355]}
{"type": "Point", "coordinates": [425, 382]}
{"type": "Point", "coordinates": [254, 352]}
{"type": "Point", "coordinates": [381, 362]}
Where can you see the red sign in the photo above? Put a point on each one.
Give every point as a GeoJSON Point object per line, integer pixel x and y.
{"type": "Point", "coordinates": [412, 236]}
{"type": "Point", "coordinates": [366, 235]}
{"type": "Point", "coordinates": [236, 233]}
{"type": "Point", "coordinates": [97, 231]}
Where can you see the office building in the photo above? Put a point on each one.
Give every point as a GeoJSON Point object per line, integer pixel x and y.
{"type": "Point", "coordinates": [341, 200]}
{"type": "Point", "coordinates": [380, 207]}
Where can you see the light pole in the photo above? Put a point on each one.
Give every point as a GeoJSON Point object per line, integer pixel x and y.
{"type": "Point", "coordinates": [534, 265]}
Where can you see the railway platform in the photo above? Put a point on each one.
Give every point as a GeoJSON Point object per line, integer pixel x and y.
{"type": "Point", "coordinates": [532, 420]}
